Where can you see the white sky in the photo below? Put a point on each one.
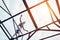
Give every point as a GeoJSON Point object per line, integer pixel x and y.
{"type": "Point", "coordinates": [40, 14]}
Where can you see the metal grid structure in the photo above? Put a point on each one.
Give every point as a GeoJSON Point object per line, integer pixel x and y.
{"type": "Point", "coordinates": [33, 20]}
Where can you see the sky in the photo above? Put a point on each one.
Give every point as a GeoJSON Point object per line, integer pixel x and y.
{"type": "Point", "coordinates": [40, 13]}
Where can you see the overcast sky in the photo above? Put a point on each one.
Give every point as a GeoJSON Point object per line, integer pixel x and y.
{"type": "Point", "coordinates": [40, 13]}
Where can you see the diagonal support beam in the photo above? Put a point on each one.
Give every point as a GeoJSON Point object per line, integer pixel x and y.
{"type": "Point", "coordinates": [53, 12]}
{"type": "Point", "coordinates": [40, 29]}
{"type": "Point", "coordinates": [50, 36]}
{"type": "Point", "coordinates": [10, 15]}
{"type": "Point", "coordinates": [57, 2]}
{"type": "Point", "coordinates": [36, 31]}
{"type": "Point", "coordinates": [22, 11]}
{"type": "Point", "coordinates": [5, 32]}
{"type": "Point", "coordinates": [5, 29]}
{"type": "Point", "coordinates": [30, 14]}
{"type": "Point", "coordinates": [31, 35]}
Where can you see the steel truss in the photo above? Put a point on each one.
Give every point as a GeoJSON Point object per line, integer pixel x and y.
{"type": "Point", "coordinates": [33, 21]}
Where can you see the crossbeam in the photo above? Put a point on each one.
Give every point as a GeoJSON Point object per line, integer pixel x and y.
{"type": "Point", "coordinates": [50, 36]}
{"type": "Point", "coordinates": [22, 11]}
{"type": "Point", "coordinates": [57, 2]}
{"type": "Point", "coordinates": [40, 29]}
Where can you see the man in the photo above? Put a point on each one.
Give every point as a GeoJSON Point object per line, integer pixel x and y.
{"type": "Point", "coordinates": [18, 31]}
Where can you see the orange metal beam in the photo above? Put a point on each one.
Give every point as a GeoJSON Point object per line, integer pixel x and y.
{"type": "Point", "coordinates": [21, 11]}
{"type": "Point", "coordinates": [58, 5]}
{"type": "Point", "coordinates": [30, 14]}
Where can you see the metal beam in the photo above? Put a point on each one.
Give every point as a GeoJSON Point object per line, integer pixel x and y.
{"type": "Point", "coordinates": [30, 14]}
{"type": "Point", "coordinates": [31, 35]}
{"type": "Point", "coordinates": [50, 36]}
{"type": "Point", "coordinates": [40, 29]}
{"type": "Point", "coordinates": [5, 32]}
{"type": "Point", "coordinates": [53, 12]}
{"type": "Point", "coordinates": [23, 11]}
{"type": "Point", "coordinates": [57, 2]}
{"type": "Point", "coordinates": [36, 31]}
{"type": "Point", "coordinates": [5, 29]}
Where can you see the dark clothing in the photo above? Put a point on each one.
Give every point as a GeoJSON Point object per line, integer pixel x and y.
{"type": "Point", "coordinates": [21, 24]}
{"type": "Point", "coordinates": [17, 31]}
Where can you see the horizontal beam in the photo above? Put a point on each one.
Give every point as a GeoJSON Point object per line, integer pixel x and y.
{"type": "Point", "coordinates": [40, 29]}
{"type": "Point", "coordinates": [50, 30]}
{"type": "Point", "coordinates": [47, 24]}
{"type": "Point", "coordinates": [50, 36]}
{"type": "Point", "coordinates": [37, 30]}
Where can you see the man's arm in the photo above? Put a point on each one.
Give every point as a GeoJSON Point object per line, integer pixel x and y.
{"type": "Point", "coordinates": [20, 18]}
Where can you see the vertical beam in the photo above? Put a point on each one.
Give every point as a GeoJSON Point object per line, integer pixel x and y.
{"type": "Point", "coordinates": [30, 14]}
{"type": "Point", "coordinates": [58, 5]}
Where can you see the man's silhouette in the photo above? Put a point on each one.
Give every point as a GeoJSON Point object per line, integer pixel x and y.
{"type": "Point", "coordinates": [18, 31]}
